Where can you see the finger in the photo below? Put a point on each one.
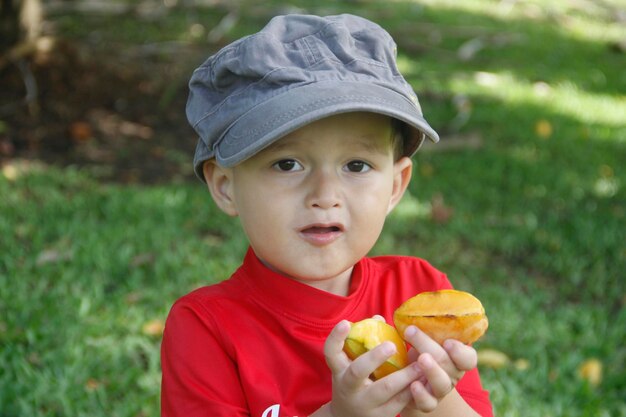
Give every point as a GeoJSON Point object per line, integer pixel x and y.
{"type": "Point", "coordinates": [424, 401]}
{"type": "Point", "coordinates": [336, 358]}
{"type": "Point", "coordinates": [422, 342]}
{"type": "Point", "coordinates": [362, 367]}
{"type": "Point", "coordinates": [394, 387]}
{"type": "Point", "coordinates": [379, 317]}
{"type": "Point", "coordinates": [463, 356]}
{"type": "Point", "coordinates": [439, 381]}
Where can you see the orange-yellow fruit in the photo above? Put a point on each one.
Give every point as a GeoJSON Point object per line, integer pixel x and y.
{"type": "Point", "coordinates": [444, 314]}
{"type": "Point", "coordinates": [366, 334]}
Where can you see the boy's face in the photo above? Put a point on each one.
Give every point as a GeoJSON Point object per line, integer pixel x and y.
{"type": "Point", "coordinates": [314, 203]}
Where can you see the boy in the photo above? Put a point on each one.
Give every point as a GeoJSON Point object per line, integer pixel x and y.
{"type": "Point", "coordinates": [306, 132]}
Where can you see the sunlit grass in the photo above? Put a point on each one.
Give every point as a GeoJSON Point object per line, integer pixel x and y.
{"type": "Point", "coordinates": [596, 21]}
{"type": "Point", "coordinates": [562, 99]}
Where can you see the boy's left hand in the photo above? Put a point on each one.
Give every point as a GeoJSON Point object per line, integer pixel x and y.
{"type": "Point", "coordinates": [442, 367]}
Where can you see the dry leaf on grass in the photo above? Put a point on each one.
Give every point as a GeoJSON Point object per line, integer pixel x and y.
{"type": "Point", "coordinates": [440, 212]}
{"type": "Point", "coordinates": [543, 129]}
{"type": "Point", "coordinates": [492, 358]}
{"type": "Point", "coordinates": [50, 256]}
{"type": "Point", "coordinates": [153, 327]}
{"type": "Point", "coordinates": [591, 371]}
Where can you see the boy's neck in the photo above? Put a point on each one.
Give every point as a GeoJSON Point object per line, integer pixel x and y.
{"type": "Point", "coordinates": [338, 285]}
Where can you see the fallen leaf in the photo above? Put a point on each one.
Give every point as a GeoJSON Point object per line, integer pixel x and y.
{"type": "Point", "coordinates": [142, 259]}
{"type": "Point", "coordinates": [51, 256]}
{"type": "Point", "coordinates": [92, 384]}
{"type": "Point", "coordinates": [543, 128]}
{"type": "Point", "coordinates": [521, 364]}
{"type": "Point", "coordinates": [591, 371]}
{"type": "Point", "coordinates": [81, 131]}
{"type": "Point", "coordinates": [492, 358]}
{"type": "Point", "coordinates": [133, 297]}
{"type": "Point", "coordinates": [153, 327]}
{"type": "Point", "coordinates": [440, 213]}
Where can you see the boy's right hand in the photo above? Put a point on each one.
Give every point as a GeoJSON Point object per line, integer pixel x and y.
{"type": "Point", "coordinates": [353, 392]}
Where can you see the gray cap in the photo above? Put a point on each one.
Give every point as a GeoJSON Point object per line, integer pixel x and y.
{"type": "Point", "coordinates": [296, 70]}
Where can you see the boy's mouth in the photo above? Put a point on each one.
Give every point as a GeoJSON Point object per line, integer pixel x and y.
{"type": "Point", "coordinates": [321, 234]}
{"type": "Point", "coordinates": [321, 229]}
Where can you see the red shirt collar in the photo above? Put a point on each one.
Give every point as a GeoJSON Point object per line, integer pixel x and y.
{"type": "Point", "coordinates": [300, 301]}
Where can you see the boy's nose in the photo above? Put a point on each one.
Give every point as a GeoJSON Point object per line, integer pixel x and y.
{"type": "Point", "coordinates": [324, 190]}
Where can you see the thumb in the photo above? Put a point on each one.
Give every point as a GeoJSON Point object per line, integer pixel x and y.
{"type": "Point", "coordinates": [336, 358]}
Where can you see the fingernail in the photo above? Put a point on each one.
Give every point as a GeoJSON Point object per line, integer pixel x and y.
{"type": "Point", "coordinates": [389, 348]}
{"type": "Point", "coordinates": [426, 361]}
{"type": "Point", "coordinates": [343, 325]}
{"type": "Point", "coordinates": [410, 331]}
{"type": "Point", "coordinates": [448, 344]}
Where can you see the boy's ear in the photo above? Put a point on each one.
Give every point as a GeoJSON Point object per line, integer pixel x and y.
{"type": "Point", "coordinates": [402, 170]}
{"type": "Point", "coordinates": [220, 181]}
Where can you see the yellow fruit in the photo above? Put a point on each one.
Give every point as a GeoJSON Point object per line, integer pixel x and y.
{"type": "Point", "coordinates": [444, 314]}
{"type": "Point", "coordinates": [366, 334]}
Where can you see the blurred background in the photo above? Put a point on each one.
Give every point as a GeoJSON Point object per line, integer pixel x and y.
{"type": "Point", "coordinates": [103, 224]}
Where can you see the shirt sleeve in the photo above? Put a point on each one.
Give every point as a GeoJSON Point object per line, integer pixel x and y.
{"type": "Point", "coordinates": [199, 377]}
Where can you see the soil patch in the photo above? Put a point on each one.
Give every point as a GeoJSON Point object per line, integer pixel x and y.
{"type": "Point", "coordinates": [119, 113]}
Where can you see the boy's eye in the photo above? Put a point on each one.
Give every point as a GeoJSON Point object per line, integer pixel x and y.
{"type": "Point", "coordinates": [358, 166]}
{"type": "Point", "coordinates": [287, 165]}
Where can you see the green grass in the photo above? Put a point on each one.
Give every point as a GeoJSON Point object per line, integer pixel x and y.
{"type": "Point", "coordinates": [538, 229]}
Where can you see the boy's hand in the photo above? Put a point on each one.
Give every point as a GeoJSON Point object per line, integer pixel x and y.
{"type": "Point", "coordinates": [354, 394]}
{"type": "Point", "coordinates": [441, 368]}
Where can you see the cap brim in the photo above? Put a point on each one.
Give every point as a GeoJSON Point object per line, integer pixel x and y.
{"type": "Point", "coordinates": [299, 106]}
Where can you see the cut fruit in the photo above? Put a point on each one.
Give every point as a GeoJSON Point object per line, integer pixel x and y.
{"type": "Point", "coordinates": [444, 314]}
{"type": "Point", "coordinates": [366, 334]}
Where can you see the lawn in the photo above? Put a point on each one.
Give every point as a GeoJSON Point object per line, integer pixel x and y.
{"type": "Point", "coordinates": [523, 203]}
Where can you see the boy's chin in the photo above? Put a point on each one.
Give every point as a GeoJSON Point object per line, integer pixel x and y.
{"type": "Point", "coordinates": [311, 271]}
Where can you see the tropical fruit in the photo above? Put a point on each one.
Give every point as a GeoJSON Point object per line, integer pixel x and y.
{"type": "Point", "coordinates": [444, 314]}
{"type": "Point", "coordinates": [366, 334]}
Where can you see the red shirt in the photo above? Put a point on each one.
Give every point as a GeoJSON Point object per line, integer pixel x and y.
{"type": "Point", "coordinates": [256, 340]}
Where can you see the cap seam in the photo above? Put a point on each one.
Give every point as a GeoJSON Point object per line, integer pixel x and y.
{"type": "Point", "coordinates": [235, 95]}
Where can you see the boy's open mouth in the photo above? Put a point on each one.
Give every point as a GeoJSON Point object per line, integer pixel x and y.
{"type": "Point", "coordinates": [321, 229]}
{"type": "Point", "coordinates": [321, 234]}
